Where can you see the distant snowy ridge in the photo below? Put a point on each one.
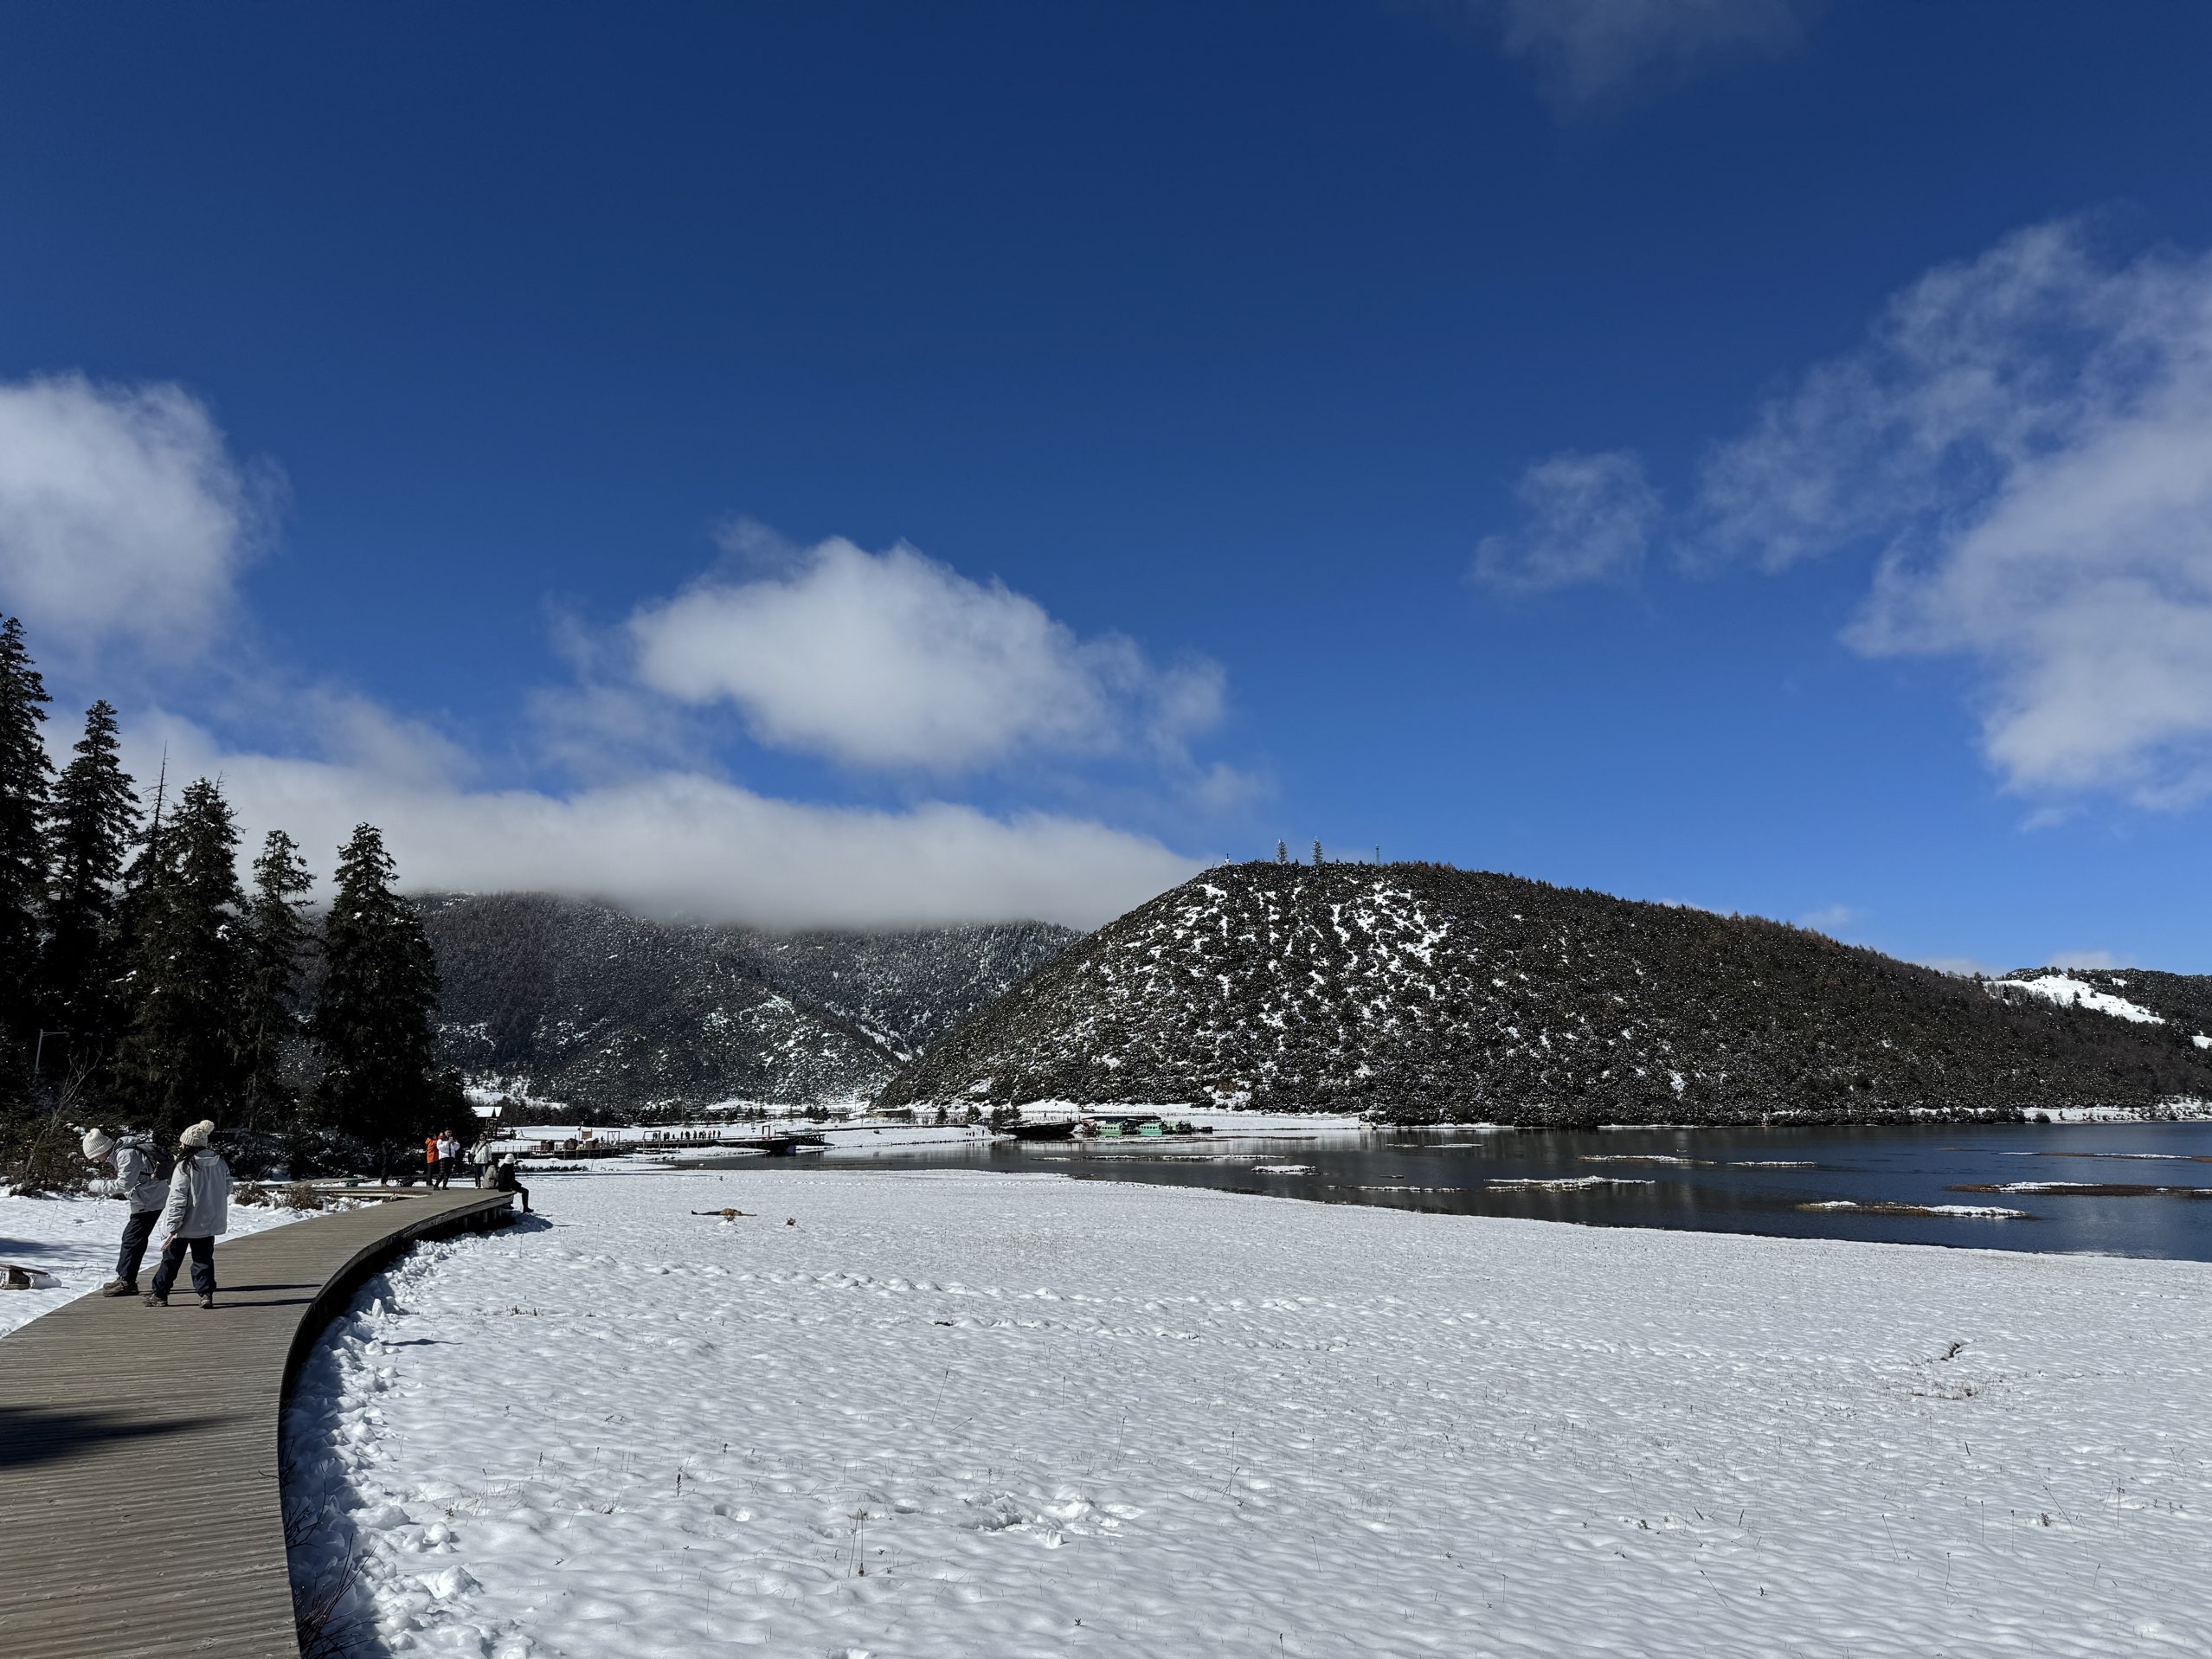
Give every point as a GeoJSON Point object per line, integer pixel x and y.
{"type": "Point", "coordinates": [1424, 993]}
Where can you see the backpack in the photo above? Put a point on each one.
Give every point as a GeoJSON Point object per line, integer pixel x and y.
{"type": "Point", "coordinates": [160, 1159]}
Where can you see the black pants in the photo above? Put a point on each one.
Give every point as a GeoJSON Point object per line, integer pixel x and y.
{"type": "Point", "coordinates": [135, 1231]}
{"type": "Point", "coordinates": [172, 1257]}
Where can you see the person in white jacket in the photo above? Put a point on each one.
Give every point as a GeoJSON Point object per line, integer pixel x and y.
{"type": "Point", "coordinates": [198, 1209]}
{"type": "Point", "coordinates": [136, 1184]}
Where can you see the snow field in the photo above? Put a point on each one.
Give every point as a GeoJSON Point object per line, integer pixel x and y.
{"type": "Point", "coordinates": [965, 1414]}
{"type": "Point", "coordinates": [74, 1239]}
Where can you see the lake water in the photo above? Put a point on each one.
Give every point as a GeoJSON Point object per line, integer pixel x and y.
{"type": "Point", "coordinates": [1731, 1180]}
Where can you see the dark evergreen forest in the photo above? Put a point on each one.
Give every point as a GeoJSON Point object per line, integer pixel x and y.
{"type": "Point", "coordinates": [142, 986]}
{"type": "Point", "coordinates": [615, 1016]}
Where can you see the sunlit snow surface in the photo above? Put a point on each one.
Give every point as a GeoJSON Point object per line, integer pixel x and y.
{"type": "Point", "coordinates": [955, 1414]}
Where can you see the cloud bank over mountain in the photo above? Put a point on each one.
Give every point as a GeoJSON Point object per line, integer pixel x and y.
{"type": "Point", "coordinates": [125, 522]}
{"type": "Point", "coordinates": [676, 844]}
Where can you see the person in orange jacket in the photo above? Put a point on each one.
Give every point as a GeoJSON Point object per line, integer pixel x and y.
{"type": "Point", "coordinates": [430, 1162]}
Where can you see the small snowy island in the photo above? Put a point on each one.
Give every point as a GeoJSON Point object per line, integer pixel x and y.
{"type": "Point", "coordinates": [941, 1413]}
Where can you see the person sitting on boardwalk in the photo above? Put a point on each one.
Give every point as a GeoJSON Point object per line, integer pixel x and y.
{"type": "Point", "coordinates": [136, 1183]}
{"type": "Point", "coordinates": [198, 1209]}
{"type": "Point", "coordinates": [504, 1179]}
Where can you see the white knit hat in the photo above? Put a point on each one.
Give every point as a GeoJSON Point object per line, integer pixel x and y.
{"type": "Point", "coordinates": [198, 1133]}
{"type": "Point", "coordinates": [98, 1144]}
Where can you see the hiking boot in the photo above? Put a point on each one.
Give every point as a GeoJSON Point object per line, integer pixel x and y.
{"type": "Point", "coordinates": [153, 1301]}
{"type": "Point", "coordinates": [119, 1287]}
{"type": "Point", "coordinates": [208, 1300]}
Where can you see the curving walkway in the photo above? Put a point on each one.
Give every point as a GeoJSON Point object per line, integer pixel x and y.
{"type": "Point", "coordinates": [140, 1510]}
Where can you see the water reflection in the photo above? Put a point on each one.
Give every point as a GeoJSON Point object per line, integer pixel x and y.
{"type": "Point", "coordinates": [1735, 1180]}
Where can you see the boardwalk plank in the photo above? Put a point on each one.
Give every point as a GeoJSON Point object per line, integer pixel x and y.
{"type": "Point", "coordinates": [141, 1511]}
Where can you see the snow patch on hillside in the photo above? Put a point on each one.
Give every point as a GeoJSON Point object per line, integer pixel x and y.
{"type": "Point", "coordinates": [2068, 992]}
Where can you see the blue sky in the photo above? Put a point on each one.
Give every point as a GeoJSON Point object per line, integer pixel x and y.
{"type": "Point", "coordinates": [860, 463]}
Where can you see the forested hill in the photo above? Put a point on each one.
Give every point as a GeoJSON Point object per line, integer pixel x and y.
{"type": "Point", "coordinates": [580, 1003]}
{"type": "Point", "coordinates": [1427, 993]}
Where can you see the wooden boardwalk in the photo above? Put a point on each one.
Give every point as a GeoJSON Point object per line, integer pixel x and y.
{"type": "Point", "coordinates": [140, 1508]}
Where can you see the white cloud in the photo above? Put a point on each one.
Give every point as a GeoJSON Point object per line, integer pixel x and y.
{"type": "Point", "coordinates": [2028, 438]}
{"type": "Point", "coordinates": [1588, 517]}
{"type": "Point", "coordinates": [122, 517]}
{"type": "Point", "coordinates": [895, 660]}
{"type": "Point", "coordinates": [671, 844]}
{"type": "Point", "coordinates": [2103, 959]}
{"type": "Point", "coordinates": [1963, 966]}
{"type": "Point", "coordinates": [1830, 919]}
{"type": "Point", "coordinates": [1586, 48]}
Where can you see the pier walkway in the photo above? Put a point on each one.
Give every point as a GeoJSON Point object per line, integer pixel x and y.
{"type": "Point", "coordinates": [141, 1514]}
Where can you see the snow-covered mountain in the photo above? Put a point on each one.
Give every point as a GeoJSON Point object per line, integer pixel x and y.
{"type": "Point", "coordinates": [1427, 993]}
{"type": "Point", "coordinates": [577, 1002]}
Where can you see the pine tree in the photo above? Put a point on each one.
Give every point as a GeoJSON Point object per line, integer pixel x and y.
{"type": "Point", "coordinates": [145, 881]}
{"type": "Point", "coordinates": [177, 1058]}
{"type": "Point", "coordinates": [276, 935]}
{"type": "Point", "coordinates": [25, 781]}
{"type": "Point", "coordinates": [93, 821]}
{"type": "Point", "coordinates": [371, 1025]}
{"type": "Point", "coordinates": [142, 874]}
{"type": "Point", "coordinates": [1317, 857]}
{"type": "Point", "coordinates": [1282, 852]}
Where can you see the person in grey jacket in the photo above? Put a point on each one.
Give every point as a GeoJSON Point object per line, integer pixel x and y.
{"type": "Point", "coordinates": [198, 1209]}
{"type": "Point", "coordinates": [136, 1184]}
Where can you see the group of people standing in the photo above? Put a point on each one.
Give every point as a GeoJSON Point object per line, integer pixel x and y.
{"type": "Point", "coordinates": [187, 1211]}
{"type": "Point", "coordinates": [443, 1156]}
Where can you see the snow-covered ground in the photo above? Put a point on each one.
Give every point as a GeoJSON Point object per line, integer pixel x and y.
{"type": "Point", "coordinates": [968, 1414]}
{"type": "Point", "coordinates": [2180, 1109]}
{"type": "Point", "coordinates": [74, 1239]}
